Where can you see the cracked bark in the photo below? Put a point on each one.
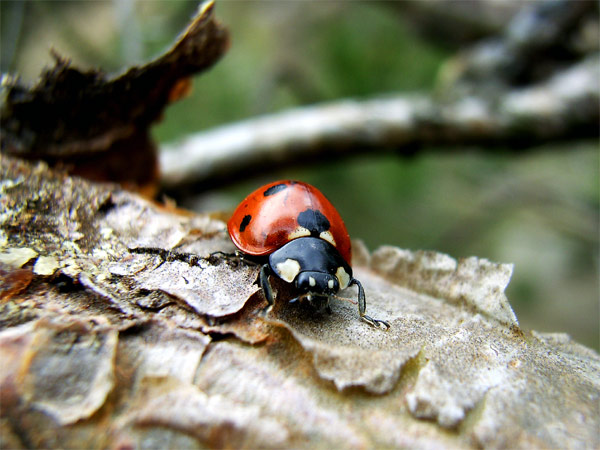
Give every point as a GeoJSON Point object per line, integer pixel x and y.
{"type": "Point", "coordinates": [166, 350]}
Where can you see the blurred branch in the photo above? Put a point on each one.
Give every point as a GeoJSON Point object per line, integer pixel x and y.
{"type": "Point", "coordinates": [566, 106]}
{"type": "Point", "coordinates": [98, 125]}
{"type": "Point", "coordinates": [535, 82]}
{"type": "Point", "coordinates": [454, 24]}
{"type": "Point", "coordinates": [542, 39]}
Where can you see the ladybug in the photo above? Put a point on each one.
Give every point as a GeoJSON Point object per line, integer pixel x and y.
{"type": "Point", "coordinates": [298, 236]}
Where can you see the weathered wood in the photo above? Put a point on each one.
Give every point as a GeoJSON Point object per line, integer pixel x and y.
{"type": "Point", "coordinates": [122, 334]}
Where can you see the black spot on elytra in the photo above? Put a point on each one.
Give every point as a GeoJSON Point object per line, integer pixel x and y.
{"type": "Point", "coordinates": [314, 221]}
{"type": "Point", "coordinates": [275, 189]}
{"type": "Point", "coordinates": [245, 221]}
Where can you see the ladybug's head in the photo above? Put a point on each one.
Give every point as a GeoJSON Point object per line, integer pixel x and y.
{"type": "Point", "coordinates": [317, 283]}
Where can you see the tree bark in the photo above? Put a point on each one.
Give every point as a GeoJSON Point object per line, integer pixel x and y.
{"type": "Point", "coordinates": [119, 329]}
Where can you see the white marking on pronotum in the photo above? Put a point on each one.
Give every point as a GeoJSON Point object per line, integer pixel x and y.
{"type": "Point", "coordinates": [298, 232]}
{"type": "Point", "coordinates": [342, 277]}
{"type": "Point", "coordinates": [327, 236]}
{"type": "Point", "coordinates": [330, 284]}
{"type": "Point", "coordinates": [312, 281]}
{"type": "Point", "coordinates": [288, 270]}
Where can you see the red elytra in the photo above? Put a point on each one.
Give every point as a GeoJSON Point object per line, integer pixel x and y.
{"type": "Point", "coordinates": [268, 218]}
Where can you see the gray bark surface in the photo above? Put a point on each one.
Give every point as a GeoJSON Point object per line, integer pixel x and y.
{"type": "Point", "coordinates": [118, 330]}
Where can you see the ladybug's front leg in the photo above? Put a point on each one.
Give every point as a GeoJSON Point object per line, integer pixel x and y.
{"type": "Point", "coordinates": [265, 284]}
{"type": "Point", "coordinates": [235, 258]}
{"type": "Point", "coordinates": [362, 308]}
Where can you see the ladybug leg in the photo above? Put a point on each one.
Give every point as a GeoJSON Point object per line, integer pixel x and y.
{"type": "Point", "coordinates": [362, 308]}
{"type": "Point", "coordinates": [245, 259]}
{"type": "Point", "coordinates": [232, 258]}
{"type": "Point", "coordinates": [220, 254]}
{"type": "Point", "coordinates": [265, 285]}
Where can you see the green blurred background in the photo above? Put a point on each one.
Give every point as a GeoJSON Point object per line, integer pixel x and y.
{"type": "Point", "coordinates": [538, 210]}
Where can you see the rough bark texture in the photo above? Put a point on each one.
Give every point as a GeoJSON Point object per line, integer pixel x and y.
{"type": "Point", "coordinates": [119, 331]}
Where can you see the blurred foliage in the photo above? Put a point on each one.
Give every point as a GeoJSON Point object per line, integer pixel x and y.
{"type": "Point", "coordinates": [539, 210]}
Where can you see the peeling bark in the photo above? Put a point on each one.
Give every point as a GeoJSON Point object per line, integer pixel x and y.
{"type": "Point", "coordinates": [127, 333]}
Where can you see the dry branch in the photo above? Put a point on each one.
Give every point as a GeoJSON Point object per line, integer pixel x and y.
{"type": "Point", "coordinates": [97, 125]}
{"type": "Point", "coordinates": [564, 107]}
{"type": "Point", "coordinates": [535, 81]}
{"type": "Point", "coordinates": [115, 332]}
